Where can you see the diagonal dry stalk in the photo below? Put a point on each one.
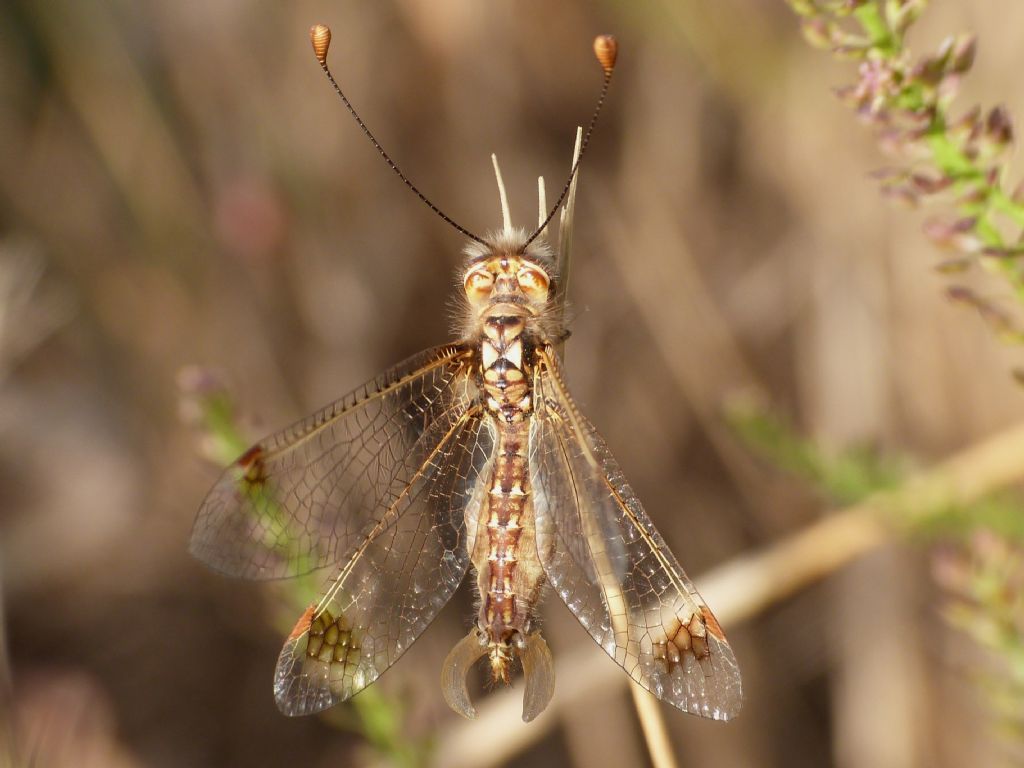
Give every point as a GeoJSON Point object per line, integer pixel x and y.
{"type": "Point", "coordinates": [745, 586]}
{"type": "Point", "coordinates": [651, 721]}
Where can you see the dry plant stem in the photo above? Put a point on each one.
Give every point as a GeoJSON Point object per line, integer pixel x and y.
{"type": "Point", "coordinates": [652, 721]}
{"type": "Point", "coordinates": [749, 584]}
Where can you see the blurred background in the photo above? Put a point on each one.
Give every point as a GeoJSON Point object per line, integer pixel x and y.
{"type": "Point", "coordinates": [180, 187]}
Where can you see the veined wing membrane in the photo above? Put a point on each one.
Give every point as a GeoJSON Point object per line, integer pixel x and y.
{"type": "Point", "coordinates": [610, 565]}
{"type": "Point", "coordinates": [304, 498]}
{"type": "Point", "coordinates": [397, 579]}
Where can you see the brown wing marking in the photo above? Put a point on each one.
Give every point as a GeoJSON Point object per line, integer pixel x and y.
{"type": "Point", "coordinates": [398, 577]}
{"type": "Point", "coordinates": [611, 567]}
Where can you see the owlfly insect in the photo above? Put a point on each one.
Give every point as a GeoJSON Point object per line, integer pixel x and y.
{"type": "Point", "coordinates": [468, 457]}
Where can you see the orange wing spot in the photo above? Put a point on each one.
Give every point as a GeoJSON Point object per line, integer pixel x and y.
{"type": "Point", "coordinates": [302, 625]}
{"type": "Point", "coordinates": [712, 623]}
{"type": "Point", "coordinates": [251, 464]}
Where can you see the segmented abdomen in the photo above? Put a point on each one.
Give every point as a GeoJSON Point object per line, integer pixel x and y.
{"type": "Point", "coordinates": [508, 513]}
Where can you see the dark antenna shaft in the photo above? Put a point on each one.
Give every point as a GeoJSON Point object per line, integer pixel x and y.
{"type": "Point", "coordinates": [606, 50]}
{"type": "Point", "coordinates": [320, 36]}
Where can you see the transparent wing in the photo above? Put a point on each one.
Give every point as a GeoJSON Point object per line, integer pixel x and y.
{"type": "Point", "coordinates": [399, 576]}
{"type": "Point", "coordinates": [304, 498]}
{"type": "Point", "coordinates": [610, 565]}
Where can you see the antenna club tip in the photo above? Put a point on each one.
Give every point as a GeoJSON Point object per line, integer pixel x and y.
{"type": "Point", "coordinates": [320, 36]}
{"type": "Point", "coordinates": [606, 49]}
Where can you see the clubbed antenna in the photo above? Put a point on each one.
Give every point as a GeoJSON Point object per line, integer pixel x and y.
{"type": "Point", "coordinates": [320, 36]}
{"type": "Point", "coordinates": [605, 50]}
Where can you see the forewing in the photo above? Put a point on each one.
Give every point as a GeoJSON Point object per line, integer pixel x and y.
{"type": "Point", "coordinates": [304, 498]}
{"type": "Point", "coordinates": [610, 565]}
{"type": "Point", "coordinates": [397, 579]}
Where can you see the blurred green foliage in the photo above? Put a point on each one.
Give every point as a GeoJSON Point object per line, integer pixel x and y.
{"type": "Point", "coordinates": [978, 548]}
{"type": "Point", "coordinates": [845, 477]}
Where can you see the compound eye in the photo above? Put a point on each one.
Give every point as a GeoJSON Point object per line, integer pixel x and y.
{"type": "Point", "coordinates": [534, 282]}
{"type": "Point", "coordinates": [478, 285]}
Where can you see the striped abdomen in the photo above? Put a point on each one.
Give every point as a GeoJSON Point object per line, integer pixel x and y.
{"type": "Point", "coordinates": [509, 573]}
